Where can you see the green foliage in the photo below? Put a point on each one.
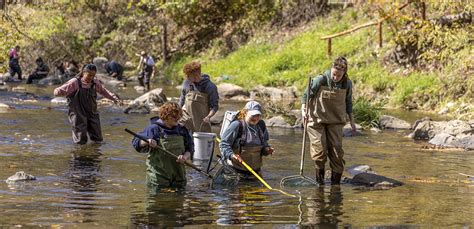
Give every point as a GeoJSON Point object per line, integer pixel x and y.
{"type": "Point", "coordinates": [365, 113]}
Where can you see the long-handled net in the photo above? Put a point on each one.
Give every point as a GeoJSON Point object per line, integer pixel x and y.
{"type": "Point", "coordinates": [300, 179]}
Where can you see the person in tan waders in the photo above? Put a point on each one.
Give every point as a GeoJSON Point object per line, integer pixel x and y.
{"type": "Point", "coordinates": [199, 99]}
{"type": "Point", "coordinates": [330, 101]}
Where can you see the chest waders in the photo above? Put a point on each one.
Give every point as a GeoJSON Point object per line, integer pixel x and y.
{"type": "Point", "coordinates": [250, 153]}
{"type": "Point", "coordinates": [328, 114]}
{"type": "Point", "coordinates": [162, 170]}
{"type": "Point", "coordinates": [83, 114]}
{"type": "Point", "coordinates": [196, 106]}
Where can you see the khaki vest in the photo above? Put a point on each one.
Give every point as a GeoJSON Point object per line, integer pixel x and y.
{"type": "Point", "coordinates": [328, 106]}
{"type": "Point", "coordinates": [196, 105]}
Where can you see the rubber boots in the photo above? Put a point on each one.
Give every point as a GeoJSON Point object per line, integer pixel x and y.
{"type": "Point", "coordinates": [320, 176]}
{"type": "Point", "coordinates": [335, 178]}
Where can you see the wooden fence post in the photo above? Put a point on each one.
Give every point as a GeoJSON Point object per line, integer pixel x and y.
{"type": "Point", "coordinates": [329, 47]}
{"type": "Point", "coordinates": [380, 33]}
{"type": "Point", "coordinates": [423, 11]}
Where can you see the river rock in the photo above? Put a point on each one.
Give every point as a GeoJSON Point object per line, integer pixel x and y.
{"type": "Point", "coordinates": [4, 107]}
{"type": "Point", "coordinates": [50, 80]}
{"type": "Point", "coordinates": [390, 122]}
{"type": "Point", "coordinates": [445, 140]}
{"type": "Point", "coordinates": [18, 89]}
{"type": "Point", "coordinates": [466, 142]}
{"type": "Point", "coordinates": [140, 89]}
{"type": "Point", "coordinates": [145, 103]}
{"type": "Point", "coordinates": [109, 81]}
{"type": "Point", "coordinates": [458, 128]}
{"type": "Point", "coordinates": [59, 100]}
{"type": "Point", "coordinates": [426, 130]}
{"type": "Point", "coordinates": [371, 179]}
{"type": "Point", "coordinates": [356, 169]}
{"type": "Point", "coordinates": [100, 64]}
{"type": "Point", "coordinates": [218, 117]}
{"type": "Point", "coordinates": [228, 91]}
{"type": "Point", "coordinates": [277, 121]}
{"type": "Point", "coordinates": [273, 93]}
{"type": "Point", "coordinates": [347, 130]}
{"type": "Point", "coordinates": [20, 176]}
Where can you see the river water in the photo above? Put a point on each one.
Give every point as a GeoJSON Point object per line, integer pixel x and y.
{"type": "Point", "coordinates": [103, 185]}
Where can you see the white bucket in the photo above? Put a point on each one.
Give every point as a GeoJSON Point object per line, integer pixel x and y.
{"type": "Point", "coordinates": [203, 145]}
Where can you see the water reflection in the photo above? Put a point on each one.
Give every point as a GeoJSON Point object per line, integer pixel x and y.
{"type": "Point", "coordinates": [325, 207]}
{"type": "Point", "coordinates": [84, 178]}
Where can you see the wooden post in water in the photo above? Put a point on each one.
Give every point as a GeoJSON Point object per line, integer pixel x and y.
{"type": "Point", "coordinates": [379, 26]}
{"type": "Point", "coordinates": [329, 47]}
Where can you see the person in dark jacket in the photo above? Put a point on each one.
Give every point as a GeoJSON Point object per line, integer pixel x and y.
{"type": "Point", "coordinates": [40, 72]}
{"type": "Point", "coordinates": [81, 93]}
{"type": "Point", "coordinates": [164, 133]}
{"type": "Point", "coordinates": [199, 99]}
{"type": "Point", "coordinates": [14, 62]}
{"type": "Point", "coordinates": [246, 139]}
{"type": "Point", "coordinates": [114, 69]}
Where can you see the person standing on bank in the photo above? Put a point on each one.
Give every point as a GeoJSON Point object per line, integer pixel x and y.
{"type": "Point", "coordinates": [199, 99]}
{"type": "Point", "coordinates": [81, 92]}
{"type": "Point", "coordinates": [14, 62]}
{"type": "Point", "coordinates": [146, 67]}
{"type": "Point", "coordinates": [40, 72]}
{"type": "Point", "coordinates": [246, 138]}
{"type": "Point", "coordinates": [164, 171]}
{"type": "Point", "coordinates": [330, 101]}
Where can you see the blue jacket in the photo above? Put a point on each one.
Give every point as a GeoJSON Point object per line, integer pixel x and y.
{"type": "Point", "coordinates": [153, 131]}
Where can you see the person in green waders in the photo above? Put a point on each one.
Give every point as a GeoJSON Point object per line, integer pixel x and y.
{"type": "Point", "coordinates": [199, 99]}
{"type": "Point", "coordinates": [164, 132]}
{"type": "Point", "coordinates": [330, 101]}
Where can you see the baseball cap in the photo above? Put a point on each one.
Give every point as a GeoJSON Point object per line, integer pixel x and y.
{"type": "Point", "coordinates": [253, 108]}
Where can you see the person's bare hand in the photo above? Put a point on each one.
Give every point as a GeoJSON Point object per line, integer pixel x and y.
{"type": "Point", "coordinates": [183, 158]}
{"type": "Point", "coordinates": [152, 143]}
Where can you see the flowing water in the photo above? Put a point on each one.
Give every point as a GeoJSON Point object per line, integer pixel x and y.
{"type": "Point", "coordinates": [103, 185]}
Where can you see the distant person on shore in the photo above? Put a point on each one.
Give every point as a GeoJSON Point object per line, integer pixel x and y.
{"type": "Point", "coordinates": [81, 93]}
{"type": "Point", "coordinates": [199, 99]}
{"type": "Point", "coordinates": [330, 101]}
{"type": "Point", "coordinates": [40, 72]}
{"type": "Point", "coordinates": [114, 69]}
{"type": "Point", "coordinates": [14, 62]}
{"type": "Point", "coordinates": [164, 171]}
{"type": "Point", "coordinates": [146, 68]}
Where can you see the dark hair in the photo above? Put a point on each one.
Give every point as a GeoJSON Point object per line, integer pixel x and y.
{"type": "Point", "coordinates": [39, 59]}
{"type": "Point", "coordinates": [89, 68]}
{"type": "Point", "coordinates": [340, 62]}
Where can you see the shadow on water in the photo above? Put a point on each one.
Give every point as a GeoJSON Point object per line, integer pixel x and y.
{"type": "Point", "coordinates": [84, 178]}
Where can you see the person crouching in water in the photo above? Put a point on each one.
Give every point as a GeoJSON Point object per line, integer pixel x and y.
{"type": "Point", "coordinates": [246, 139]}
{"type": "Point", "coordinates": [81, 92]}
{"type": "Point", "coordinates": [164, 133]}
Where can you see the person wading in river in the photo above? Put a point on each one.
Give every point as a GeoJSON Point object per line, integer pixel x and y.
{"type": "Point", "coordinates": [199, 99]}
{"type": "Point", "coordinates": [81, 92]}
{"type": "Point", "coordinates": [330, 102]}
{"type": "Point", "coordinates": [246, 137]}
{"type": "Point", "coordinates": [164, 171]}
{"type": "Point", "coordinates": [14, 62]}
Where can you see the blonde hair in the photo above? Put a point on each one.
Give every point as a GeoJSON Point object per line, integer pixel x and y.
{"type": "Point", "coordinates": [242, 113]}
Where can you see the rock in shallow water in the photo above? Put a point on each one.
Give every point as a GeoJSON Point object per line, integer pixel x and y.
{"type": "Point", "coordinates": [20, 176]}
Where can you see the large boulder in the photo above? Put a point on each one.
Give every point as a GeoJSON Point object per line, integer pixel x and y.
{"type": "Point", "coordinates": [458, 128]}
{"type": "Point", "coordinates": [347, 130]}
{"type": "Point", "coordinates": [390, 122]}
{"type": "Point", "coordinates": [100, 63]}
{"type": "Point", "coordinates": [372, 179]}
{"type": "Point", "coordinates": [273, 93]}
{"type": "Point", "coordinates": [277, 121]}
{"type": "Point", "coordinates": [426, 130]}
{"type": "Point", "coordinates": [147, 102]}
{"type": "Point", "coordinates": [218, 117]}
{"type": "Point", "coordinates": [108, 81]}
{"type": "Point", "coordinates": [50, 80]}
{"type": "Point", "coordinates": [455, 133]}
{"type": "Point", "coordinates": [444, 140]}
{"type": "Point", "coordinates": [227, 90]}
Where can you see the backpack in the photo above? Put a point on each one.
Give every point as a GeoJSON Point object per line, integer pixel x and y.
{"type": "Point", "coordinates": [231, 116]}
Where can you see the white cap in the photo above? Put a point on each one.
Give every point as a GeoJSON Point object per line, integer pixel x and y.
{"type": "Point", "coordinates": [253, 108]}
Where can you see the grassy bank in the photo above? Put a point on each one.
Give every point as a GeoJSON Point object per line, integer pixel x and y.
{"type": "Point", "coordinates": [274, 61]}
